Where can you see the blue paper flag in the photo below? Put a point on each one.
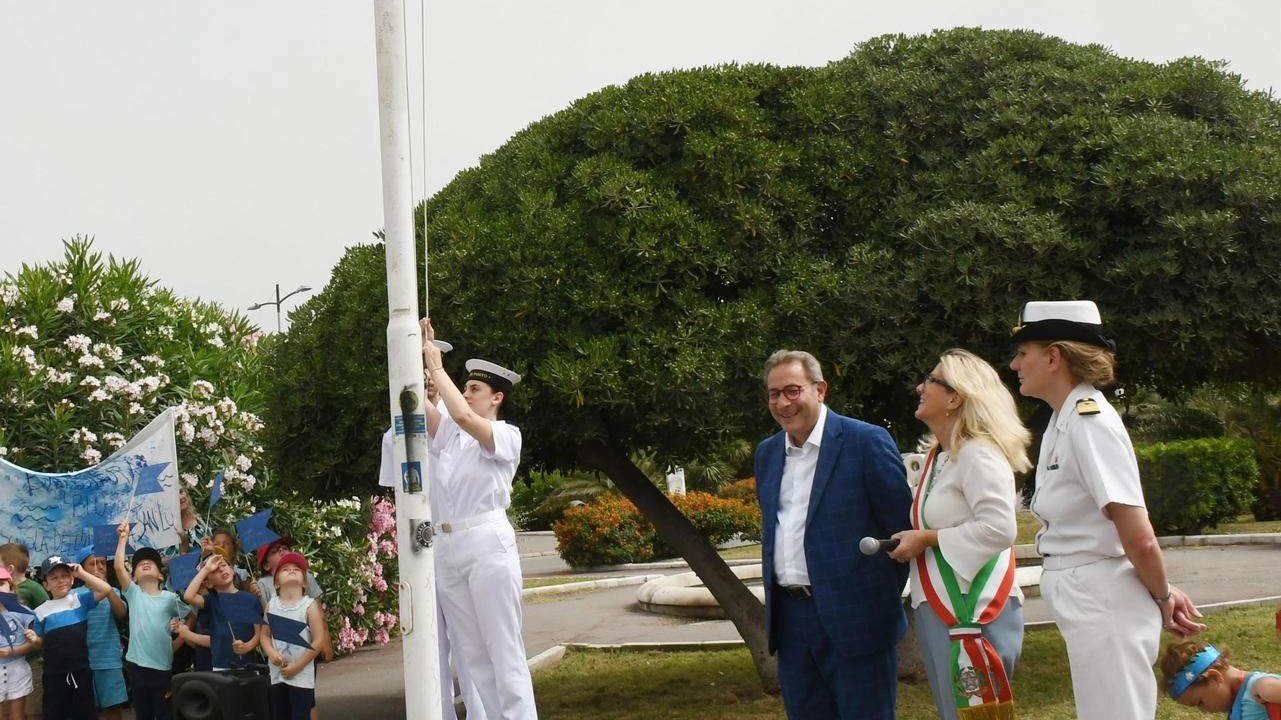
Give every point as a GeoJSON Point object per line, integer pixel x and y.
{"type": "Point", "coordinates": [105, 538]}
{"type": "Point", "coordinates": [11, 603]}
{"type": "Point", "coordinates": [215, 493]}
{"type": "Point", "coordinates": [182, 568]}
{"type": "Point", "coordinates": [149, 479]}
{"type": "Point", "coordinates": [241, 608]}
{"type": "Point", "coordinates": [253, 531]}
{"type": "Point", "coordinates": [287, 630]}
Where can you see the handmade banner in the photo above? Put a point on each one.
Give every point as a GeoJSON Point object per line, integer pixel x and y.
{"type": "Point", "coordinates": [54, 513]}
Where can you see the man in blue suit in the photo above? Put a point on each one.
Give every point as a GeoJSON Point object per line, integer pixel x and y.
{"type": "Point", "coordinates": [834, 615]}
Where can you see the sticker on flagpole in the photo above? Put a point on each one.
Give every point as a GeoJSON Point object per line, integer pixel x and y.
{"type": "Point", "coordinates": [411, 476]}
{"type": "Point", "coordinates": [418, 424]}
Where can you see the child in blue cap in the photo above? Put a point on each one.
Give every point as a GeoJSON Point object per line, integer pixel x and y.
{"type": "Point", "coordinates": [61, 630]}
{"type": "Point", "coordinates": [105, 650]}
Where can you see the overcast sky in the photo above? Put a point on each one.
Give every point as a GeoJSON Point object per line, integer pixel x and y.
{"type": "Point", "coordinates": [233, 145]}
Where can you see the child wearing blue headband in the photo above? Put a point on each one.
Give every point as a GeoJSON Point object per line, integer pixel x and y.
{"type": "Point", "coordinates": [1199, 675]}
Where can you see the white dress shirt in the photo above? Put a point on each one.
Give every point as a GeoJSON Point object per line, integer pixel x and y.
{"type": "Point", "coordinates": [790, 567]}
{"type": "Point", "coordinates": [468, 479]}
{"type": "Point", "coordinates": [971, 504]}
{"type": "Point", "coordinates": [1086, 463]}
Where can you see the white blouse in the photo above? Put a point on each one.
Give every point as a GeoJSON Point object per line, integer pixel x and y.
{"type": "Point", "coordinates": [466, 478]}
{"type": "Point", "coordinates": [971, 504]}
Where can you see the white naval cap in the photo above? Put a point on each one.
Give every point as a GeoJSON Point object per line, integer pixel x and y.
{"type": "Point", "coordinates": [496, 376]}
{"type": "Point", "coordinates": [442, 346]}
{"type": "Point", "coordinates": [1075, 320]}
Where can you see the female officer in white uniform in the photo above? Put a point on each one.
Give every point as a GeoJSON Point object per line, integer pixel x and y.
{"type": "Point", "coordinates": [389, 476]}
{"type": "Point", "coordinates": [1104, 576]}
{"type": "Point", "coordinates": [478, 578]}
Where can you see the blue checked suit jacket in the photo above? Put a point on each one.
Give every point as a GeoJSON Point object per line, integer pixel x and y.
{"type": "Point", "coordinates": [860, 490]}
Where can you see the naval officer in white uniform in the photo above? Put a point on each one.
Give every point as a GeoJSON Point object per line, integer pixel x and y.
{"type": "Point", "coordinates": [478, 579]}
{"type": "Point", "coordinates": [389, 476]}
{"type": "Point", "coordinates": [1104, 576]}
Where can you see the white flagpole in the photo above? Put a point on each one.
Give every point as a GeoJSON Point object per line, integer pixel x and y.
{"type": "Point", "coordinates": [405, 372]}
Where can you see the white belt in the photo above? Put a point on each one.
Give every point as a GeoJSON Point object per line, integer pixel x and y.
{"type": "Point", "coordinates": [1065, 562]}
{"type": "Point", "coordinates": [484, 518]}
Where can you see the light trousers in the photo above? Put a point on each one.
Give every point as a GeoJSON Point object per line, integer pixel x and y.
{"type": "Point", "coordinates": [1005, 633]}
{"type": "Point", "coordinates": [1113, 631]}
{"type": "Point", "coordinates": [466, 688]}
{"type": "Point", "coordinates": [478, 583]}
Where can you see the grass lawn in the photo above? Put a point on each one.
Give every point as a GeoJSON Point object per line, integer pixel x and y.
{"type": "Point", "coordinates": [721, 685]}
{"type": "Point", "coordinates": [561, 580]}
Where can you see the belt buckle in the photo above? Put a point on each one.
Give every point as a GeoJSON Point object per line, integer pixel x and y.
{"type": "Point", "coordinates": [446, 527]}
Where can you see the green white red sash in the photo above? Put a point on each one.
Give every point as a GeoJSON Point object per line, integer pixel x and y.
{"type": "Point", "coordinates": [979, 682]}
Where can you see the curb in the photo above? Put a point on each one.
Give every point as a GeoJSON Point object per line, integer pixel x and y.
{"type": "Point", "coordinates": [1208, 609]}
{"type": "Point", "coordinates": [570, 587]}
{"type": "Point", "coordinates": [662, 565]}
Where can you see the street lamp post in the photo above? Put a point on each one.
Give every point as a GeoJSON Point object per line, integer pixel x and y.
{"type": "Point", "coordinates": [279, 299]}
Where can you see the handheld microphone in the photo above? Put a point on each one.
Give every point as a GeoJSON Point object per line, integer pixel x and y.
{"type": "Point", "coordinates": [871, 546]}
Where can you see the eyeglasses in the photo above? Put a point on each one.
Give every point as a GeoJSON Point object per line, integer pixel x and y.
{"type": "Point", "coordinates": [929, 378]}
{"type": "Point", "coordinates": [791, 392]}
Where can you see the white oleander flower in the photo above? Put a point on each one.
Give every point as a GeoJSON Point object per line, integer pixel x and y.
{"type": "Point", "coordinates": [66, 305]}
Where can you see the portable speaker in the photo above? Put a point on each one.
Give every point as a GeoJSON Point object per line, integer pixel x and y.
{"type": "Point", "coordinates": [224, 695]}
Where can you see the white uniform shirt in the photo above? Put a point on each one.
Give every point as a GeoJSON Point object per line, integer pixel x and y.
{"type": "Point", "coordinates": [1086, 463]}
{"type": "Point", "coordinates": [790, 567]}
{"type": "Point", "coordinates": [971, 504]}
{"type": "Point", "coordinates": [467, 479]}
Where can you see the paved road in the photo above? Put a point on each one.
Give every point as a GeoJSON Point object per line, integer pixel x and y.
{"type": "Point", "coordinates": [370, 683]}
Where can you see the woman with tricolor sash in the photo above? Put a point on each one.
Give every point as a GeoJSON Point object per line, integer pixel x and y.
{"type": "Point", "coordinates": [969, 610]}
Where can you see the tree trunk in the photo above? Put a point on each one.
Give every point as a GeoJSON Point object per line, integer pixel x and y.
{"type": "Point", "coordinates": [740, 605]}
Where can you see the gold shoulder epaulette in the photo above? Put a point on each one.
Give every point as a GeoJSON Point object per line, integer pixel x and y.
{"type": "Point", "coordinates": [1087, 406]}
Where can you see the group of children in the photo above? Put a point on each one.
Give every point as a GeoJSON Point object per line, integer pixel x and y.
{"type": "Point", "coordinates": [61, 654]}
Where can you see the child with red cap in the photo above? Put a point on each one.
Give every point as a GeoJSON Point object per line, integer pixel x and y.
{"type": "Point", "coordinates": [293, 622]}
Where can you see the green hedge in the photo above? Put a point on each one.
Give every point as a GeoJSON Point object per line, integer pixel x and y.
{"type": "Point", "coordinates": [611, 530]}
{"type": "Point", "coordinates": [1191, 485]}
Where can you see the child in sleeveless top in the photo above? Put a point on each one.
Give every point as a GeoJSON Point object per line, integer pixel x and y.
{"type": "Point", "coordinates": [292, 616]}
{"type": "Point", "coordinates": [1199, 675]}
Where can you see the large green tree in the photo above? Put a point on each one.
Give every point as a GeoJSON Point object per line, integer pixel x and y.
{"type": "Point", "coordinates": [637, 255]}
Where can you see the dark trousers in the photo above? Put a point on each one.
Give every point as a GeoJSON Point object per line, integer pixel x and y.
{"type": "Point", "coordinates": [69, 696]}
{"type": "Point", "coordinates": [818, 681]}
{"type": "Point", "coordinates": [150, 690]}
{"type": "Point", "coordinates": [291, 703]}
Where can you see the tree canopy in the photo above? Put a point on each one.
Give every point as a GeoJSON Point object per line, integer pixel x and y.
{"type": "Point", "coordinates": [638, 254]}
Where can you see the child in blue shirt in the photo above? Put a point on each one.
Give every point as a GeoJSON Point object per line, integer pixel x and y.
{"type": "Point", "coordinates": [105, 651]}
{"type": "Point", "coordinates": [61, 630]}
{"type": "Point", "coordinates": [234, 616]}
{"type": "Point", "coordinates": [151, 610]}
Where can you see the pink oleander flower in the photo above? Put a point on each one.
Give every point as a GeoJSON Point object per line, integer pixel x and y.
{"type": "Point", "coordinates": [380, 584]}
{"type": "Point", "coordinates": [359, 609]}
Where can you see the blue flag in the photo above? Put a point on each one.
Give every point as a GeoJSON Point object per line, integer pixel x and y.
{"type": "Point", "coordinates": [215, 493]}
{"type": "Point", "coordinates": [11, 603]}
{"type": "Point", "coordinates": [149, 479]}
{"type": "Point", "coordinates": [287, 630]}
{"type": "Point", "coordinates": [182, 568]}
{"type": "Point", "coordinates": [105, 538]}
{"type": "Point", "coordinates": [253, 531]}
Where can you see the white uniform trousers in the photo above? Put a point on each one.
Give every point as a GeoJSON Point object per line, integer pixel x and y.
{"type": "Point", "coordinates": [1113, 631]}
{"type": "Point", "coordinates": [466, 688]}
{"type": "Point", "coordinates": [479, 587]}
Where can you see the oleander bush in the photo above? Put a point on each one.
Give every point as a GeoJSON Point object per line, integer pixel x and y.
{"type": "Point", "coordinates": [1191, 485]}
{"type": "Point", "coordinates": [611, 531]}
{"type": "Point", "coordinates": [91, 349]}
